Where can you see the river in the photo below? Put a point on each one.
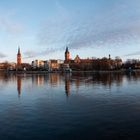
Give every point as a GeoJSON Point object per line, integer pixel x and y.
{"type": "Point", "coordinates": [76, 106]}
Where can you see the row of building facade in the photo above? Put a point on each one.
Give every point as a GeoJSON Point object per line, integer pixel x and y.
{"type": "Point", "coordinates": [75, 64]}
{"type": "Point", "coordinates": [105, 63]}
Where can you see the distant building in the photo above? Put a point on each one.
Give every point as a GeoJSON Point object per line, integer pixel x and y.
{"type": "Point", "coordinates": [12, 66]}
{"type": "Point", "coordinates": [7, 66]}
{"type": "Point", "coordinates": [77, 59]}
{"type": "Point", "coordinates": [90, 63]}
{"type": "Point", "coordinates": [77, 63]}
{"type": "Point", "coordinates": [39, 64]}
{"type": "Point", "coordinates": [67, 55]}
{"type": "Point", "coordinates": [26, 66]}
{"type": "Point", "coordinates": [55, 64]}
{"type": "Point", "coordinates": [19, 57]}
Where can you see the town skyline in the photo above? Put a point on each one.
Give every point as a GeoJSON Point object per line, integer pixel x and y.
{"type": "Point", "coordinates": [19, 59]}
{"type": "Point", "coordinates": [43, 28]}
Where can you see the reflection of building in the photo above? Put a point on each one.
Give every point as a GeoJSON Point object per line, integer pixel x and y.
{"type": "Point", "coordinates": [19, 84]}
{"type": "Point", "coordinates": [39, 79]}
{"type": "Point", "coordinates": [53, 78]}
{"type": "Point", "coordinates": [77, 83]}
{"type": "Point", "coordinates": [67, 85]}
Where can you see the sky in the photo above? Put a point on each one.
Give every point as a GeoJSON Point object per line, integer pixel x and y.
{"type": "Point", "coordinates": [90, 28]}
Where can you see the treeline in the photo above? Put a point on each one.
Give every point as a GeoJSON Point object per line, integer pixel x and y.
{"type": "Point", "coordinates": [132, 63]}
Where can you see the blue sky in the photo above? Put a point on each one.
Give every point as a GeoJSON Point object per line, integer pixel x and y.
{"type": "Point", "coordinates": [90, 28]}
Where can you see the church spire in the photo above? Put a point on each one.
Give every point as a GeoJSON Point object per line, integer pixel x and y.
{"type": "Point", "coordinates": [67, 49]}
{"type": "Point", "coordinates": [19, 57]}
{"type": "Point", "coordinates": [19, 50]}
{"type": "Point", "coordinates": [67, 54]}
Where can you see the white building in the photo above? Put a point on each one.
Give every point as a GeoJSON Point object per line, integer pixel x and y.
{"type": "Point", "coordinates": [40, 64]}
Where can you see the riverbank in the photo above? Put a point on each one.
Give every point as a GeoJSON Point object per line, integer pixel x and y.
{"type": "Point", "coordinates": [45, 72]}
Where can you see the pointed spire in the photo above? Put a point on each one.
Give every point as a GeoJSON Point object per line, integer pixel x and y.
{"type": "Point", "coordinates": [67, 49]}
{"type": "Point", "coordinates": [109, 56]}
{"type": "Point", "coordinates": [18, 50]}
{"type": "Point", "coordinates": [19, 56]}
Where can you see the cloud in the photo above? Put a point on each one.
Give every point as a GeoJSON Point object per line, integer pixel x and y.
{"type": "Point", "coordinates": [102, 29]}
{"type": "Point", "coordinates": [11, 26]}
{"type": "Point", "coordinates": [33, 54]}
{"type": "Point", "coordinates": [133, 54]}
{"type": "Point", "coordinates": [2, 55]}
{"type": "Point", "coordinates": [30, 54]}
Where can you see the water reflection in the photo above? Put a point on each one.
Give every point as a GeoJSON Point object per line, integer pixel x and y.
{"type": "Point", "coordinates": [68, 80]}
{"type": "Point", "coordinates": [38, 79]}
{"type": "Point", "coordinates": [54, 79]}
{"type": "Point", "coordinates": [19, 84]}
{"type": "Point", "coordinates": [43, 103]}
{"type": "Point", "coordinates": [67, 84]}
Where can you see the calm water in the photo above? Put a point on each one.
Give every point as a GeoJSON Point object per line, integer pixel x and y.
{"type": "Point", "coordinates": [70, 106]}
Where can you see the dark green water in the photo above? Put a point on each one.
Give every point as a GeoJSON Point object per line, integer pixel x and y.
{"type": "Point", "coordinates": [74, 106]}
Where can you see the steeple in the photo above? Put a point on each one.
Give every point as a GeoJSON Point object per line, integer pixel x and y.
{"type": "Point", "coordinates": [19, 50]}
{"type": "Point", "coordinates": [67, 54]}
{"type": "Point", "coordinates": [19, 57]}
{"type": "Point", "coordinates": [67, 50]}
{"type": "Point", "coordinates": [109, 56]}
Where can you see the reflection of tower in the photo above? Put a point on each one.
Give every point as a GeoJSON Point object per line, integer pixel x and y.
{"type": "Point", "coordinates": [19, 85]}
{"type": "Point", "coordinates": [18, 57]}
{"type": "Point", "coordinates": [67, 85]}
{"type": "Point", "coordinates": [67, 55]}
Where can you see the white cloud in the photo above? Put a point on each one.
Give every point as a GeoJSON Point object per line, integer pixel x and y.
{"type": "Point", "coordinates": [80, 31]}
{"type": "Point", "coordinates": [45, 52]}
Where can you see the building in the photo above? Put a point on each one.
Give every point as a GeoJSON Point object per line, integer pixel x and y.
{"type": "Point", "coordinates": [7, 66]}
{"type": "Point", "coordinates": [19, 57]}
{"type": "Point", "coordinates": [90, 64]}
{"type": "Point", "coordinates": [77, 59]}
{"type": "Point", "coordinates": [67, 55]}
{"type": "Point", "coordinates": [39, 64]}
{"type": "Point", "coordinates": [55, 64]}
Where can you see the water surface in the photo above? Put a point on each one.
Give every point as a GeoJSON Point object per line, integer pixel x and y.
{"type": "Point", "coordinates": [70, 106]}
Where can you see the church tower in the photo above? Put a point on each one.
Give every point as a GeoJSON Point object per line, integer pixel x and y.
{"type": "Point", "coordinates": [18, 57]}
{"type": "Point", "coordinates": [67, 54]}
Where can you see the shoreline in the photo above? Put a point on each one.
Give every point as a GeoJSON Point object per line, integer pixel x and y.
{"type": "Point", "coordinates": [47, 72]}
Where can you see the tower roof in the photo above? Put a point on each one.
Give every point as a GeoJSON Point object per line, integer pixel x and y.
{"type": "Point", "coordinates": [67, 49]}
{"type": "Point", "coordinates": [19, 50]}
